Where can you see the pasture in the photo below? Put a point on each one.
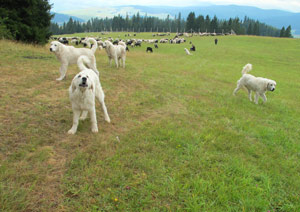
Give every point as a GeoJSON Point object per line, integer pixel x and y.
{"type": "Point", "coordinates": [178, 141]}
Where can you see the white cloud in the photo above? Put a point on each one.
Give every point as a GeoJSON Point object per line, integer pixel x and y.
{"type": "Point", "coordinates": [290, 5]}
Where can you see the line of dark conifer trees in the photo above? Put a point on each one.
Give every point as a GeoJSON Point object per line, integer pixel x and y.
{"type": "Point", "coordinates": [138, 23]}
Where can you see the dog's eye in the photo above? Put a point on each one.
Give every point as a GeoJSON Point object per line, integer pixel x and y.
{"type": "Point", "coordinates": [87, 76]}
{"type": "Point", "coordinates": [79, 76]}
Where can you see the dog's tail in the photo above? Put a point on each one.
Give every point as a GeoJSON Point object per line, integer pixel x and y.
{"type": "Point", "coordinates": [82, 62]}
{"type": "Point", "coordinates": [247, 68]}
{"type": "Point", "coordinates": [95, 44]}
{"type": "Point", "coordinates": [122, 44]}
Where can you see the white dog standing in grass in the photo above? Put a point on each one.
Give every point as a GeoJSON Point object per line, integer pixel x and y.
{"type": "Point", "coordinates": [257, 84]}
{"type": "Point", "coordinates": [69, 55]}
{"type": "Point", "coordinates": [84, 88]}
{"type": "Point", "coordinates": [187, 51]}
{"type": "Point", "coordinates": [116, 52]}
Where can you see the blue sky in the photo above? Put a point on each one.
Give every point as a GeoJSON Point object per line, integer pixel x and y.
{"type": "Point", "coordinates": [64, 5]}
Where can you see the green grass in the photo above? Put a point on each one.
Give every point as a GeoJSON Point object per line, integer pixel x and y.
{"type": "Point", "coordinates": [185, 143]}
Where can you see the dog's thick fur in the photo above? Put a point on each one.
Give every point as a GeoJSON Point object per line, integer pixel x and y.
{"type": "Point", "coordinates": [84, 88]}
{"type": "Point", "coordinates": [257, 84]}
{"type": "Point", "coordinates": [187, 51]}
{"type": "Point", "coordinates": [116, 52]}
{"type": "Point", "coordinates": [69, 55]}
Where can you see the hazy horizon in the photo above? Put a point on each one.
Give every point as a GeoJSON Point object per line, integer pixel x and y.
{"type": "Point", "coordinates": [68, 5]}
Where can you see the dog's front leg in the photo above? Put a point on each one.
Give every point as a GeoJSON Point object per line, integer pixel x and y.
{"type": "Point", "coordinates": [76, 114]}
{"type": "Point", "coordinates": [263, 96]}
{"type": "Point", "coordinates": [63, 71]}
{"type": "Point", "coordinates": [93, 120]}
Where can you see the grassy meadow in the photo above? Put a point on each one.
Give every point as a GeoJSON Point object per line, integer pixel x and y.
{"type": "Point", "coordinates": [179, 140]}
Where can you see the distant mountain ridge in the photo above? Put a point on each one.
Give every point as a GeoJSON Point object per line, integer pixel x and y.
{"type": "Point", "coordinates": [61, 18]}
{"type": "Point", "coordinates": [276, 18]}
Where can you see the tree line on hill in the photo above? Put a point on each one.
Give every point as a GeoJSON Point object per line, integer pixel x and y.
{"type": "Point", "coordinates": [30, 21]}
{"type": "Point", "coordinates": [138, 23]}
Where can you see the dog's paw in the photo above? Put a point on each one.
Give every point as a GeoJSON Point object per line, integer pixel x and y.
{"type": "Point", "coordinates": [59, 79]}
{"type": "Point", "coordinates": [82, 118]}
{"type": "Point", "coordinates": [94, 129]}
{"type": "Point", "coordinates": [71, 132]}
{"type": "Point", "coordinates": [107, 119]}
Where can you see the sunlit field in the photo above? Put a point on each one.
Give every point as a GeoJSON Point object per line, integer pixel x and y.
{"type": "Point", "coordinates": [179, 140]}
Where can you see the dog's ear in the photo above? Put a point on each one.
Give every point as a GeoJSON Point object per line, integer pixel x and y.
{"type": "Point", "coordinates": [266, 85]}
{"type": "Point", "coordinates": [73, 87]}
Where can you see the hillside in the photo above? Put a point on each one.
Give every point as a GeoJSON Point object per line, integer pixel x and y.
{"type": "Point", "coordinates": [61, 18]}
{"type": "Point", "coordinates": [178, 141]}
{"type": "Point", "coordinates": [276, 18]}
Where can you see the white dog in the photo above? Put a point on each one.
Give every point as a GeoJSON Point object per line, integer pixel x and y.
{"type": "Point", "coordinates": [84, 88]}
{"type": "Point", "coordinates": [115, 52]}
{"type": "Point", "coordinates": [257, 84]}
{"type": "Point", "coordinates": [187, 51]}
{"type": "Point", "coordinates": [69, 55]}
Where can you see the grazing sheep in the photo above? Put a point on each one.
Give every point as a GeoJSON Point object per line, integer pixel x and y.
{"type": "Point", "coordinates": [149, 49]}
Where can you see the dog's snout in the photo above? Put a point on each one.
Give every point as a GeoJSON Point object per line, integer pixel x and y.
{"type": "Point", "coordinates": [50, 49]}
{"type": "Point", "coordinates": [83, 79]}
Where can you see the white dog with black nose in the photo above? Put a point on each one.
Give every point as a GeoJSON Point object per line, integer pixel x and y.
{"type": "Point", "coordinates": [257, 84]}
{"type": "Point", "coordinates": [69, 55]}
{"type": "Point", "coordinates": [85, 87]}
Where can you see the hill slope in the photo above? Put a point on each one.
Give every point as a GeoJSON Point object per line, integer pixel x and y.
{"type": "Point", "coordinates": [179, 140]}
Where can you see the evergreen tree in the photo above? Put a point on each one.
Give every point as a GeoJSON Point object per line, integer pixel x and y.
{"type": "Point", "coordinates": [191, 22]}
{"type": "Point", "coordinates": [288, 32]}
{"type": "Point", "coordinates": [27, 20]}
{"type": "Point", "coordinates": [250, 29]}
{"type": "Point", "coordinates": [207, 23]}
{"type": "Point", "coordinates": [282, 32]}
{"type": "Point", "coordinates": [179, 22]}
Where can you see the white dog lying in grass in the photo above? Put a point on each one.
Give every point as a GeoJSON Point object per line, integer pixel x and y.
{"type": "Point", "coordinates": [257, 84]}
{"type": "Point", "coordinates": [116, 52]}
{"type": "Point", "coordinates": [84, 88]}
{"type": "Point", "coordinates": [187, 51]}
{"type": "Point", "coordinates": [69, 55]}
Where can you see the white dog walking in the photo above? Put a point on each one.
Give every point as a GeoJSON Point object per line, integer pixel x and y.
{"type": "Point", "coordinates": [257, 84]}
{"type": "Point", "coordinates": [116, 52]}
{"type": "Point", "coordinates": [69, 55]}
{"type": "Point", "coordinates": [187, 51]}
{"type": "Point", "coordinates": [84, 88]}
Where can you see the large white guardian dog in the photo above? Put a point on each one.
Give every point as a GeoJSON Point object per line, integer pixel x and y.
{"type": "Point", "coordinates": [84, 88]}
{"type": "Point", "coordinates": [116, 52]}
{"type": "Point", "coordinates": [69, 55]}
{"type": "Point", "coordinates": [257, 84]}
